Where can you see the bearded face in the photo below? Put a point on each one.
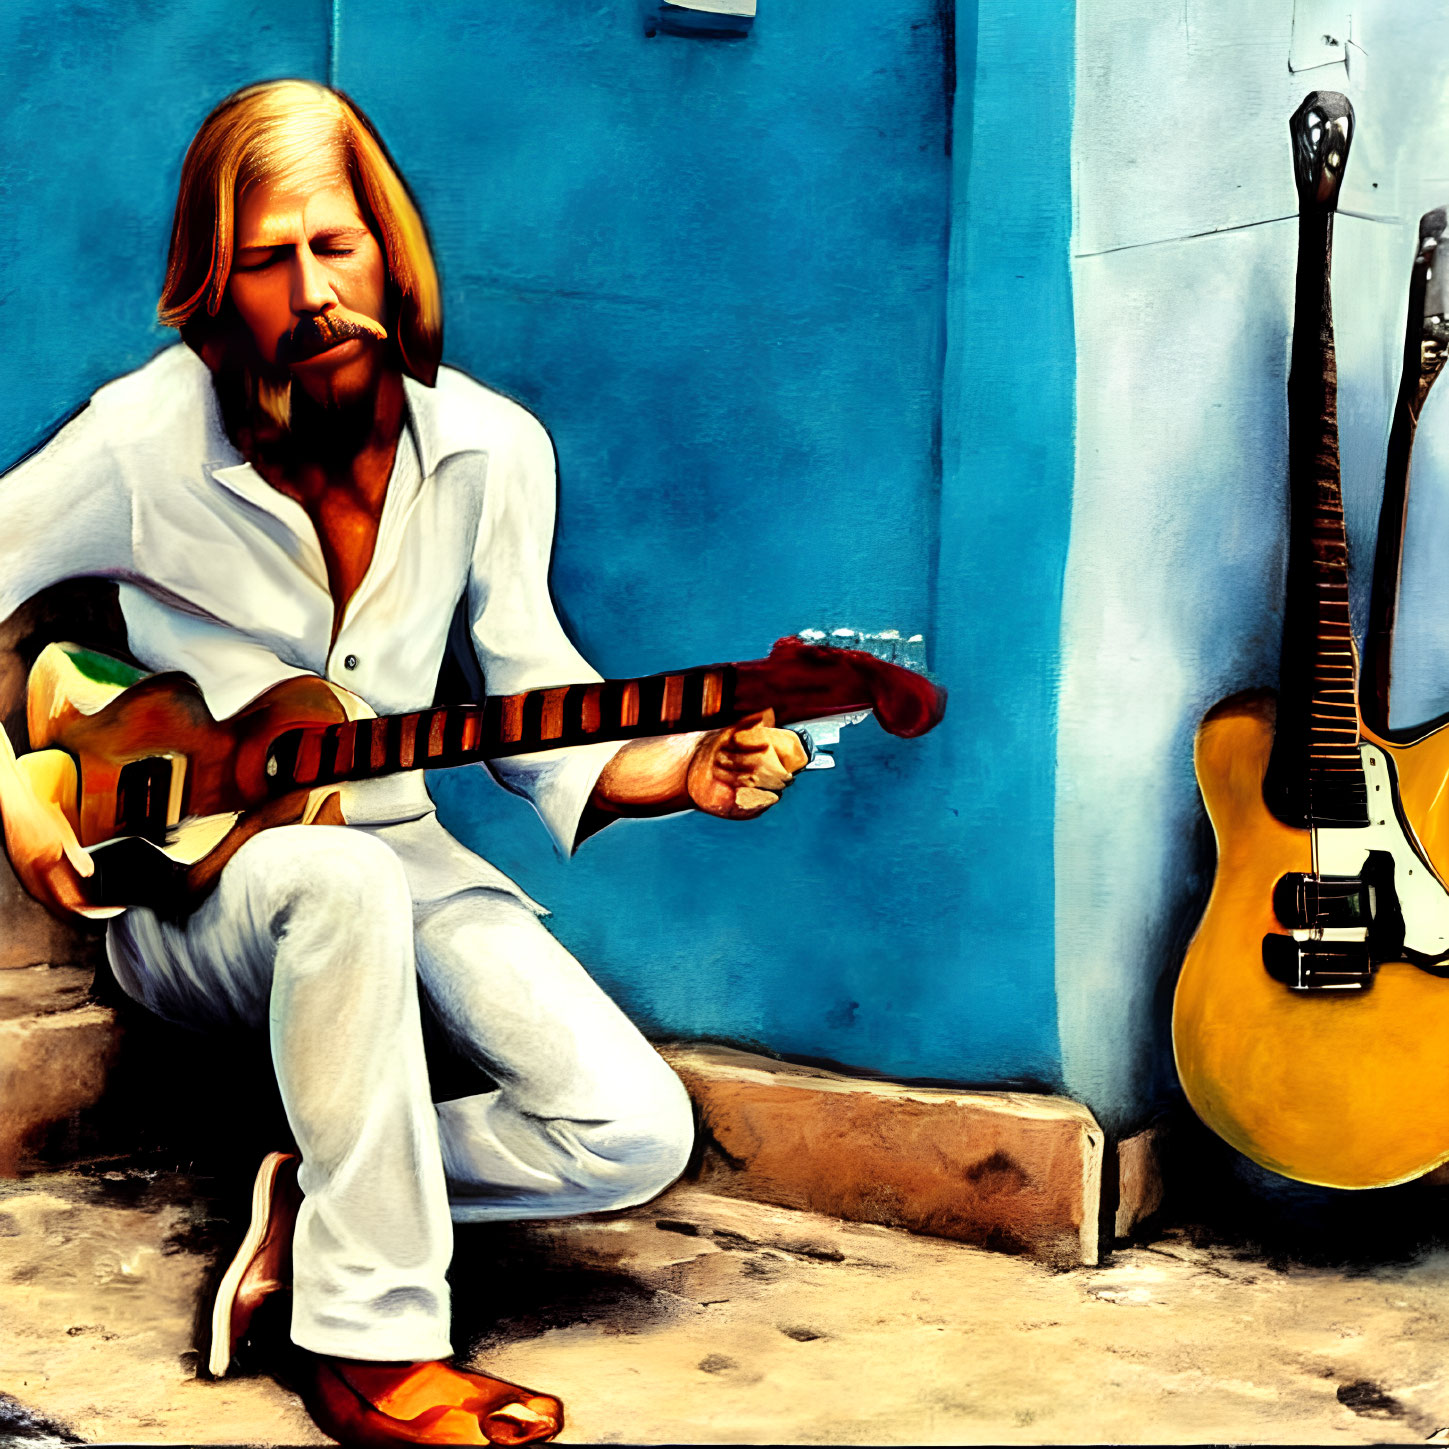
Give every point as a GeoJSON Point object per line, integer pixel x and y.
{"type": "Point", "coordinates": [308, 292]}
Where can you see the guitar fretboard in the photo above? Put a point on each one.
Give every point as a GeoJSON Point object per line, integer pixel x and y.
{"type": "Point", "coordinates": [513, 724]}
{"type": "Point", "coordinates": [1316, 772]}
{"type": "Point", "coordinates": [1336, 787]}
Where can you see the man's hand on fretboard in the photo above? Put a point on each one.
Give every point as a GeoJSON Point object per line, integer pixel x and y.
{"type": "Point", "coordinates": [738, 772]}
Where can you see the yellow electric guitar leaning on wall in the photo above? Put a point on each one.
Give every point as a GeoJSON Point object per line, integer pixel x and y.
{"type": "Point", "coordinates": [1311, 1019]}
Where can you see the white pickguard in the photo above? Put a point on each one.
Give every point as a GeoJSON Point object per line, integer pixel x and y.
{"type": "Point", "coordinates": [1423, 899]}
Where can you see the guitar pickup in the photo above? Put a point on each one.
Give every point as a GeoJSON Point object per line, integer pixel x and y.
{"type": "Point", "coordinates": [1304, 902]}
{"type": "Point", "coordinates": [150, 794]}
{"type": "Point", "coordinates": [1318, 965]}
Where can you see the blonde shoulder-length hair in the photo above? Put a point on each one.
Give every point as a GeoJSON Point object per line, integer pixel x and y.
{"type": "Point", "coordinates": [256, 135]}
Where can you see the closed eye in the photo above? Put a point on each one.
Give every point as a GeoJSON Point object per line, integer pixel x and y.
{"type": "Point", "coordinates": [339, 243]}
{"type": "Point", "coordinates": [256, 259]}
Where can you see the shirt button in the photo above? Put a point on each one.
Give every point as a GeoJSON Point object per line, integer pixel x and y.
{"type": "Point", "coordinates": [350, 662]}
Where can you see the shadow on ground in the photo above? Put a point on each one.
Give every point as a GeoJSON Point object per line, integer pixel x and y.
{"type": "Point", "coordinates": [1218, 1198]}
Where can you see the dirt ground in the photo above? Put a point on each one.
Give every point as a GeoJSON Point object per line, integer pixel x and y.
{"type": "Point", "coordinates": [701, 1319]}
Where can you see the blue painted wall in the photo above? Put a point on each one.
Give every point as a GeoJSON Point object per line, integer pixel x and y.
{"type": "Point", "coordinates": [740, 281]}
{"type": "Point", "coordinates": [101, 99]}
{"type": "Point", "coordinates": [1006, 503]}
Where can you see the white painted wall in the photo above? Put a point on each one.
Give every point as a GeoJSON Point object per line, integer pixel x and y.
{"type": "Point", "coordinates": [1174, 583]}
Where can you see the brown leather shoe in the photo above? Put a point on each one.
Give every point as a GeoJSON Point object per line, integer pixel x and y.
{"type": "Point", "coordinates": [423, 1403]}
{"type": "Point", "coordinates": [263, 1263]}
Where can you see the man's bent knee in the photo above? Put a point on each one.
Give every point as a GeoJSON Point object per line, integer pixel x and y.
{"type": "Point", "coordinates": [635, 1158]}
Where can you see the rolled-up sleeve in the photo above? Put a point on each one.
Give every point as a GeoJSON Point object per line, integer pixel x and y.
{"type": "Point", "coordinates": [517, 637]}
{"type": "Point", "coordinates": [65, 514]}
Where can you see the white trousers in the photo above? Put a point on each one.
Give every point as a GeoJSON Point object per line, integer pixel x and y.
{"type": "Point", "coordinates": [313, 933]}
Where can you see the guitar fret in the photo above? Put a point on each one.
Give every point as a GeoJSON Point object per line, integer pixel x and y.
{"type": "Point", "coordinates": [589, 712]}
{"type": "Point", "coordinates": [711, 692]}
{"type": "Point", "coordinates": [512, 719]}
{"type": "Point", "coordinates": [672, 705]}
{"type": "Point", "coordinates": [551, 716]}
{"type": "Point", "coordinates": [345, 741]}
{"type": "Point", "coordinates": [309, 758]}
{"type": "Point", "coordinates": [472, 730]}
{"type": "Point", "coordinates": [573, 723]}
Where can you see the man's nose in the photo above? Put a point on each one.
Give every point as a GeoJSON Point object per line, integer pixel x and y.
{"type": "Point", "coordinates": [311, 290]}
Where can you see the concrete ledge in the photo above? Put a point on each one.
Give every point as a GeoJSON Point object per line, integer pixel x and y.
{"type": "Point", "coordinates": [42, 990]}
{"type": "Point", "coordinates": [1006, 1170]}
{"type": "Point", "coordinates": [51, 1066]}
{"type": "Point", "coordinates": [1140, 1187]}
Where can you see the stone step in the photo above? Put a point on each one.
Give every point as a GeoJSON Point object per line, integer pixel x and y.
{"type": "Point", "coordinates": [42, 990]}
{"type": "Point", "coordinates": [56, 1049]}
{"type": "Point", "coordinates": [1013, 1170]}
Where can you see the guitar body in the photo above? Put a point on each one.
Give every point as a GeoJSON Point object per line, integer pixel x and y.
{"type": "Point", "coordinates": [201, 788]}
{"type": "Point", "coordinates": [217, 768]}
{"type": "Point", "coordinates": [1345, 1089]}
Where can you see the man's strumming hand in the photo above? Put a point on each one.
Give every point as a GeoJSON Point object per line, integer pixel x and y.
{"type": "Point", "coordinates": [47, 858]}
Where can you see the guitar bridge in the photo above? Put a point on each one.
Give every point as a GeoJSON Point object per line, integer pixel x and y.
{"type": "Point", "coordinates": [1318, 965]}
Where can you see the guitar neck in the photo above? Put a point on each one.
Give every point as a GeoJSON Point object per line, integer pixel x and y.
{"type": "Point", "coordinates": [1426, 344]}
{"type": "Point", "coordinates": [1316, 774]}
{"type": "Point", "coordinates": [503, 725]}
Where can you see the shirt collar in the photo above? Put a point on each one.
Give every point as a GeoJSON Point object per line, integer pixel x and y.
{"type": "Point", "coordinates": [438, 432]}
{"type": "Point", "coordinates": [439, 429]}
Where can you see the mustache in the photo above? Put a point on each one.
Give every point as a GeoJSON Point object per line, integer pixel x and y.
{"type": "Point", "coordinates": [316, 333]}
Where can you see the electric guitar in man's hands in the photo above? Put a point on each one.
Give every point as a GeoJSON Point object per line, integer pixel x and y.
{"type": "Point", "coordinates": [161, 794]}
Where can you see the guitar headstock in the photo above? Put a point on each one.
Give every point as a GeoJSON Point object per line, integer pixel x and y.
{"type": "Point", "coordinates": [803, 680]}
{"type": "Point", "coordinates": [1322, 132]}
{"type": "Point", "coordinates": [1431, 271]}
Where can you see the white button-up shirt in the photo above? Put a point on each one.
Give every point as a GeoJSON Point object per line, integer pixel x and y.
{"type": "Point", "coordinates": [222, 577]}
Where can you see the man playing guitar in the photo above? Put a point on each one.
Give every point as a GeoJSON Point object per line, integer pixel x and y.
{"type": "Point", "coordinates": [300, 489]}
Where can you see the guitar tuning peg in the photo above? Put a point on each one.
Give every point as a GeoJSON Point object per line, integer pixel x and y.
{"type": "Point", "coordinates": [889, 645]}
